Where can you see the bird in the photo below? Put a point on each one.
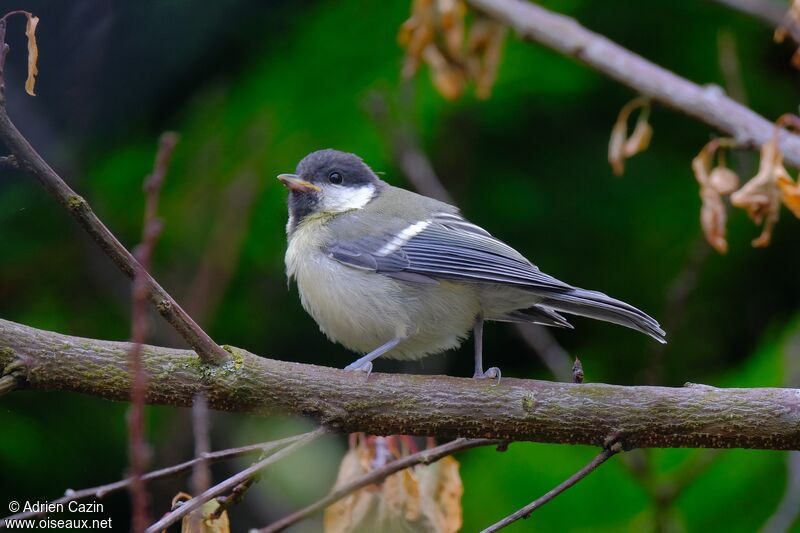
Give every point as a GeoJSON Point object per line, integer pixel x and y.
{"type": "Point", "coordinates": [386, 271]}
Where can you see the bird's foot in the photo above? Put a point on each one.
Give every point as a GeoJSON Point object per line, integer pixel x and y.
{"type": "Point", "coordinates": [360, 367]}
{"type": "Point", "coordinates": [491, 373]}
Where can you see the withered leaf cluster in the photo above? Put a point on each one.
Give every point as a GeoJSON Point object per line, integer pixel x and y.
{"type": "Point", "coordinates": [436, 35]}
{"type": "Point", "coordinates": [204, 520]}
{"type": "Point", "coordinates": [621, 146]}
{"type": "Point", "coordinates": [420, 499]}
{"type": "Point", "coordinates": [761, 196]}
{"type": "Point", "coordinates": [714, 184]}
{"type": "Point", "coordinates": [33, 49]}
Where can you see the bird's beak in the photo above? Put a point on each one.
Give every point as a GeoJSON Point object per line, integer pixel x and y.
{"type": "Point", "coordinates": [295, 184]}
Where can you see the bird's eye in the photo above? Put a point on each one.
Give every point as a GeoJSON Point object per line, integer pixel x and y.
{"type": "Point", "coordinates": [335, 178]}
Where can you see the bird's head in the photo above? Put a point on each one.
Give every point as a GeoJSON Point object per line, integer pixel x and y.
{"type": "Point", "coordinates": [329, 181]}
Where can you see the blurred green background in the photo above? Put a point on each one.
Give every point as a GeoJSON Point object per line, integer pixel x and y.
{"type": "Point", "coordinates": [252, 87]}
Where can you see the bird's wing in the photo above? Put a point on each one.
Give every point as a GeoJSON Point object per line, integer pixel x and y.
{"type": "Point", "coordinates": [445, 246]}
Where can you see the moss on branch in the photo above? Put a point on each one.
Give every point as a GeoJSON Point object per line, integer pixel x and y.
{"type": "Point", "coordinates": [514, 409]}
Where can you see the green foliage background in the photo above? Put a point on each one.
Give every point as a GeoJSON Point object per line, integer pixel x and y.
{"type": "Point", "coordinates": [252, 88]}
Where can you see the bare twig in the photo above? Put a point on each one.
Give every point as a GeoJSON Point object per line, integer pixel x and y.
{"type": "Point", "coordinates": [227, 485]}
{"type": "Point", "coordinates": [101, 491]}
{"type": "Point", "coordinates": [224, 247]}
{"type": "Point", "coordinates": [201, 472]}
{"type": "Point", "coordinates": [545, 345]}
{"type": "Point", "coordinates": [526, 511]}
{"type": "Point", "coordinates": [151, 228]}
{"type": "Point", "coordinates": [577, 371]}
{"type": "Point", "coordinates": [664, 492]}
{"type": "Point", "coordinates": [201, 476]}
{"type": "Point", "coordinates": [425, 457]}
{"type": "Point", "coordinates": [33, 163]}
{"type": "Point", "coordinates": [393, 404]}
{"type": "Point", "coordinates": [708, 104]}
{"type": "Point", "coordinates": [406, 150]}
{"type": "Point", "coordinates": [235, 496]}
{"type": "Point", "coordinates": [770, 12]}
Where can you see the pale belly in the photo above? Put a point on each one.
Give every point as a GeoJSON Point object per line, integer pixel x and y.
{"type": "Point", "coordinates": [363, 310]}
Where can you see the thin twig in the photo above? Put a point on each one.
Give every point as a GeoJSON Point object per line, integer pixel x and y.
{"type": "Point", "coordinates": [227, 485]}
{"type": "Point", "coordinates": [708, 104]}
{"type": "Point", "coordinates": [545, 345]}
{"type": "Point", "coordinates": [526, 511]}
{"type": "Point", "coordinates": [101, 491]}
{"type": "Point", "coordinates": [224, 247]}
{"type": "Point", "coordinates": [376, 476]}
{"type": "Point", "coordinates": [79, 208]}
{"type": "Point", "coordinates": [768, 11]}
{"type": "Point", "coordinates": [201, 476]}
{"type": "Point", "coordinates": [235, 496]}
{"type": "Point", "coordinates": [151, 229]}
{"type": "Point", "coordinates": [406, 150]}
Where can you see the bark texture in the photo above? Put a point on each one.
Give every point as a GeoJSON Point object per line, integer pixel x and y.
{"type": "Point", "coordinates": [446, 407]}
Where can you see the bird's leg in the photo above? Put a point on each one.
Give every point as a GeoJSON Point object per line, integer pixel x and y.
{"type": "Point", "coordinates": [364, 364]}
{"type": "Point", "coordinates": [493, 372]}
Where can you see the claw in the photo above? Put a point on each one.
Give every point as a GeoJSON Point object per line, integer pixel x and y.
{"type": "Point", "coordinates": [363, 367]}
{"type": "Point", "coordinates": [491, 373]}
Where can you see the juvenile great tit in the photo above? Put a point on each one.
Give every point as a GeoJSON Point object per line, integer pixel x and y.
{"type": "Point", "coordinates": [387, 271]}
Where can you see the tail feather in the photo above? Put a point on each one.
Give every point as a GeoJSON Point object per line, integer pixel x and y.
{"type": "Point", "coordinates": [597, 305]}
{"type": "Point", "coordinates": [536, 315]}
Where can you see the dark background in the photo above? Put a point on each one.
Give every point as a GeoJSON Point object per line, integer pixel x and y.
{"type": "Point", "coordinates": [254, 86]}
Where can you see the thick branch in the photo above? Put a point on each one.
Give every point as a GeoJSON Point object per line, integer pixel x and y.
{"type": "Point", "coordinates": [708, 104]}
{"type": "Point", "coordinates": [30, 161]}
{"type": "Point", "coordinates": [386, 404]}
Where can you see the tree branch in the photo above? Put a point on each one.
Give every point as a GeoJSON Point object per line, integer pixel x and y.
{"type": "Point", "coordinates": [441, 406]}
{"type": "Point", "coordinates": [526, 511]}
{"type": "Point", "coordinates": [709, 104]}
{"type": "Point", "coordinates": [376, 476]}
{"type": "Point", "coordinates": [30, 161]}
{"type": "Point", "coordinates": [101, 491]}
{"type": "Point", "coordinates": [223, 487]}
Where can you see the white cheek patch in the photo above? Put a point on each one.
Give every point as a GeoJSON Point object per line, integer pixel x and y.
{"type": "Point", "coordinates": [336, 199]}
{"type": "Point", "coordinates": [403, 237]}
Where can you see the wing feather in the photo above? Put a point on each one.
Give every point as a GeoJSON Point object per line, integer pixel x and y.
{"type": "Point", "coordinates": [448, 247]}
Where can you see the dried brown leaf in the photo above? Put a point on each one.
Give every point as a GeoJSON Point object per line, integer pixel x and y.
{"type": "Point", "coordinates": [33, 54]}
{"type": "Point", "coordinates": [761, 197]}
{"type": "Point", "coordinates": [201, 521]}
{"type": "Point", "coordinates": [484, 52]}
{"type": "Point", "coordinates": [622, 147]}
{"type": "Point", "coordinates": [714, 183]}
{"type": "Point", "coordinates": [451, 17]}
{"type": "Point", "coordinates": [416, 33]}
{"type": "Point", "coordinates": [441, 490]}
{"type": "Point", "coordinates": [447, 79]}
{"type": "Point", "coordinates": [640, 138]}
{"type": "Point", "coordinates": [713, 219]}
{"type": "Point", "coordinates": [723, 180]}
{"type": "Point", "coordinates": [616, 147]}
{"type": "Point", "coordinates": [790, 193]}
{"type": "Point", "coordinates": [420, 499]}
